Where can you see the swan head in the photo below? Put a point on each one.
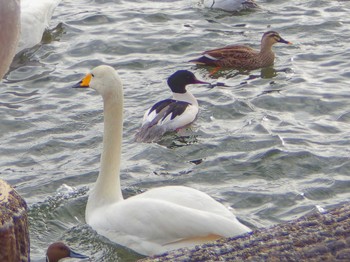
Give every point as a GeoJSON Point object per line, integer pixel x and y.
{"type": "Point", "coordinates": [180, 79]}
{"type": "Point", "coordinates": [104, 79]}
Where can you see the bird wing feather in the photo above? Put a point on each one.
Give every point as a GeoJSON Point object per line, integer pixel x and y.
{"type": "Point", "coordinates": [232, 52]}
{"type": "Point", "coordinates": [151, 225]}
{"type": "Point", "coordinates": [164, 116]}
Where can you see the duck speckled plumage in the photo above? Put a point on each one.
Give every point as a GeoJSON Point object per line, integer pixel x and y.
{"type": "Point", "coordinates": [243, 57]}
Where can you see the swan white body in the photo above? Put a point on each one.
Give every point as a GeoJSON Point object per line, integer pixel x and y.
{"type": "Point", "coordinates": [9, 32]}
{"type": "Point", "coordinates": [35, 18]}
{"type": "Point", "coordinates": [230, 5]}
{"type": "Point", "coordinates": [160, 219]}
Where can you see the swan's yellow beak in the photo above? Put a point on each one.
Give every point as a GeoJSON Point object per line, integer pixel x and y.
{"type": "Point", "coordinates": [85, 82]}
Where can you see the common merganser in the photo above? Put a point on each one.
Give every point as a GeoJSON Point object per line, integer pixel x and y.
{"type": "Point", "coordinates": [171, 114]}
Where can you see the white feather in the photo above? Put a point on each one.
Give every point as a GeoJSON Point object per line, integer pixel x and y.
{"type": "Point", "coordinates": [35, 18]}
{"type": "Point", "coordinates": [170, 215]}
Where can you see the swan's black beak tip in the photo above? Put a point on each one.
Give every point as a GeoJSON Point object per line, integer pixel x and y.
{"type": "Point", "coordinates": [77, 85]}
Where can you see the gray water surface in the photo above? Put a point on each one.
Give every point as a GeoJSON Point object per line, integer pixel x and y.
{"type": "Point", "coordinates": [273, 144]}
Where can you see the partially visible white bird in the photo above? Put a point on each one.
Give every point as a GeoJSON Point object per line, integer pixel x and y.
{"type": "Point", "coordinates": [173, 113]}
{"type": "Point", "coordinates": [159, 220]}
{"type": "Point", "coordinates": [9, 32]}
{"type": "Point", "coordinates": [230, 5]}
{"type": "Point", "coordinates": [35, 18]}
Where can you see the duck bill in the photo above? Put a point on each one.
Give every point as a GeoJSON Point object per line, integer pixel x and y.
{"type": "Point", "coordinates": [285, 41]}
{"type": "Point", "coordinates": [74, 254]}
{"type": "Point", "coordinates": [201, 82]}
{"type": "Point", "coordinates": [209, 85]}
{"type": "Point", "coordinates": [84, 83]}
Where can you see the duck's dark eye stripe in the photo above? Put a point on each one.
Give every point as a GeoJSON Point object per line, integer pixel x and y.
{"type": "Point", "coordinates": [92, 75]}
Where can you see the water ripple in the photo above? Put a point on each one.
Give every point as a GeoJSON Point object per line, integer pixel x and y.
{"type": "Point", "coordinates": [273, 143]}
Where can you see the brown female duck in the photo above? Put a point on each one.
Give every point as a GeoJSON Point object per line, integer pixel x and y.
{"type": "Point", "coordinates": [243, 57]}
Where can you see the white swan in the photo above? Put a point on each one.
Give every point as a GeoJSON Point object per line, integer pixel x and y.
{"type": "Point", "coordinates": [171, 114]}
{"type": "Point", "coordinates": [160, 219]}
{"type": "Point", "coordinates": [9, 32]}
{"type": "Point", "coordinates": [230, 5]}
{"type": "Point", "coordinates": [35, 18]}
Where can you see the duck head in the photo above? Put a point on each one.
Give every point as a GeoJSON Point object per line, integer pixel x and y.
{"type": "Point", "coordinates": [271, 37]}
{"type": "Point", "coordinates": [180, 79]}
{"type": "Point", "coordinates": [59, 250]}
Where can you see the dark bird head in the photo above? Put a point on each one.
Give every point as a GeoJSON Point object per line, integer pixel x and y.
{"type": "Point", "coordinates": [59, 250]}
{"type": "Point", "coordinates": [180, 79]}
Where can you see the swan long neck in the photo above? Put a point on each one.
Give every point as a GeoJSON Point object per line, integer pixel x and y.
{"type": "Point", "coordinates": [107, 188]}
{"type": "Point", "coordinates": [187, 97]}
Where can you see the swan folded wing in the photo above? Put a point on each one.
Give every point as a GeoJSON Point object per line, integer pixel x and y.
{"type": "Point", "coordinates": [189, 197]}
{"type": "Point", "coordinates": [153, 226]}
